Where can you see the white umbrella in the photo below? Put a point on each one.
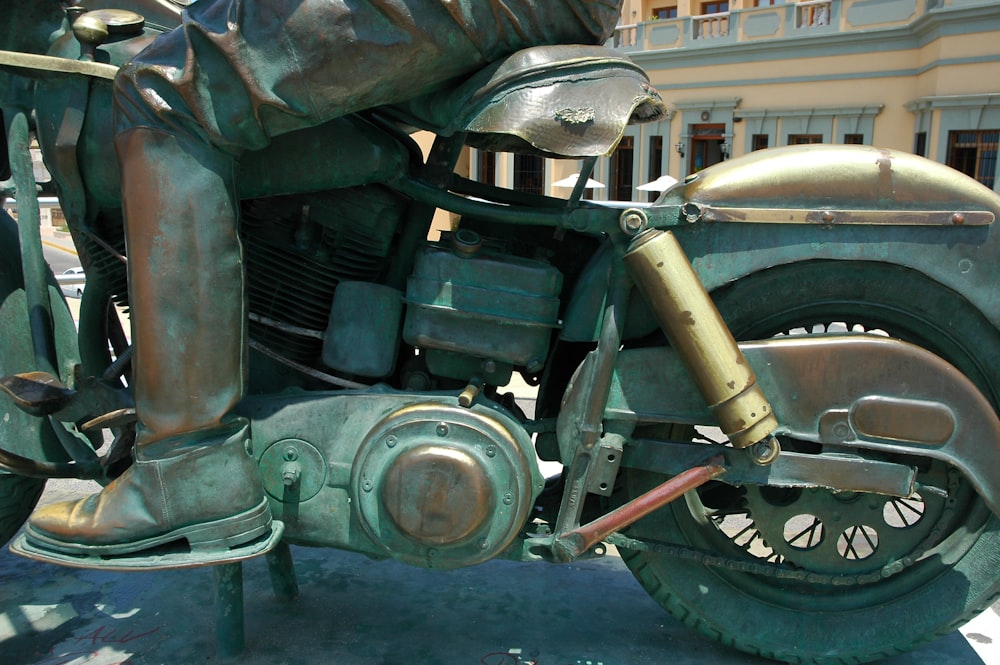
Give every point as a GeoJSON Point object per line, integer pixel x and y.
{"type": "Point", "coordinates": [570, 182]}
{"type": "Point", "coordinates": [661, 184]}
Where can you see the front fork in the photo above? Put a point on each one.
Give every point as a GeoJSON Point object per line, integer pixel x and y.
{"type": "Point", "coordinates": [655, 262]}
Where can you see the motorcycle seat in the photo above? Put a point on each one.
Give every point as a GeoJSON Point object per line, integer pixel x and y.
{"type": "Point", "coordinates": [554, 101]}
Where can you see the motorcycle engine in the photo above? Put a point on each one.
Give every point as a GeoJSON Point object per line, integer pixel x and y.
{"type": "Point", "coordinates": [299, 248]}
{"type": "Point", "coordinates": [439, 486]}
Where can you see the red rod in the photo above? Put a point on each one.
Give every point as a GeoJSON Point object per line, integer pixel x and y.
{"type": "Point", "coordinates": [581, 539]}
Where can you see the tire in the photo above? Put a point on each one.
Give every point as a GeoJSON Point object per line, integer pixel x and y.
{"type": "Point", "coordinates": [897, 584]}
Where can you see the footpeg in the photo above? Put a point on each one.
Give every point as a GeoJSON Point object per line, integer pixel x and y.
{"type": "Point", "coordinates": [37, 393]}
{"type": "Point", "coordinates": [40, 394]}
{"type": "Point", "coordinates": [176, 554]}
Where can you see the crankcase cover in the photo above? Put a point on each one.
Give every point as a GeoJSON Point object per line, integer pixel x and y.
{"type": "Point", "coordinates": [442, 487]}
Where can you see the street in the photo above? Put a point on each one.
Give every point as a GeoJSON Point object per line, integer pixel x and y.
{"type": "Point", "coordinates": [355, 611]}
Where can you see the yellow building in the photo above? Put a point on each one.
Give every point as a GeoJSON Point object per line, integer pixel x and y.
{"type": "Point", "coordinates": [915, 75]}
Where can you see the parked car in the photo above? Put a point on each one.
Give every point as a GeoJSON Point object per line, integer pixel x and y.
{"type": "Point", "coordinates": [72, 282]}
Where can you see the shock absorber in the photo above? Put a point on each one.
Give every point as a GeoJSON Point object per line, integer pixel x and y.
{"type": "Point", "coordinates": [696, 330]}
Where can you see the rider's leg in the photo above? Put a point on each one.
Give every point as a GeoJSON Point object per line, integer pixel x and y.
{"type": "Point", "coordinates": [193, 476]}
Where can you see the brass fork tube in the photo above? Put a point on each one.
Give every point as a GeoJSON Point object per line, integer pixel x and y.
{"type": "Point", "coordinates": [696, 330]}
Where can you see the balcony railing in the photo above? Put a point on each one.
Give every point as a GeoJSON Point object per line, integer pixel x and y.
{"type": "Point", "coordinates": [710, 26]}
{"type": "Point", "coordinates": [813, 13]}
{"type": "Point", "coordinates": [789, 19]}
{"type": "Point", "coordinates": [626, 35]}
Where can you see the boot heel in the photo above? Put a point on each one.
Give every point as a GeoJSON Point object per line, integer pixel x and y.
{"type": "Point", "coordinates": [229, 532]}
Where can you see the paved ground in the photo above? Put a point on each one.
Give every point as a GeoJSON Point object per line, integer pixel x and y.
{"type": "Point", "coordinates": [354, 611]}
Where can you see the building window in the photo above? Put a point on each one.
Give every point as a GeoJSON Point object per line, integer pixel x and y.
{"type": "Point", "coordinates": [759, 141]}
{"type": "Point", "coordinates": [763, 3]}
{"type": "Point", "coordinates": [487, 166]}
{"type": "Point", "coordinates": [655, 166]}
{"type": "Point", "coordinates": [920, 144]}
{"type": "Point", "coordinates": [529, 174]}
{"type": "Point", "coordinates": [974, 153]}
{"type": "Point", "coordinates": [804, 139]}
{"type": "Point", "coordinates": [665, 12]}
{"type": "Point", "coordinates": [714, 7]}
{"type": "Point", "coordinates": [706, 146]}
{"type": "Point", "coordinates": [854, 139]}
{"type": "Point", "coordinates": [621, 170]}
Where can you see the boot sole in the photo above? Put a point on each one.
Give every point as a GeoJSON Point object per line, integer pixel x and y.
{"type": "Point", "coordinates": [161, 558]}
{"type": "Point", "coordinates": [203, 538]}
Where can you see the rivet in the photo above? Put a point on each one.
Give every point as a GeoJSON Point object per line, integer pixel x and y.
{"type": "Point", "coordinates": [442, 429]}
{"type": "Point", "coordinates": [391, 441]}
{"type": "Point", "coordinates": [508, 498]}
{"type": "Point", "coordinates": [367, 486]}
{"type": "Point", "coordinates": [291, 454]}
{"type": "Point", "coordinates": [828, 216]}
{"type": "Point", "coordinates": [958, 218]}
{"type": "Point", "coordinates": [491, 451]}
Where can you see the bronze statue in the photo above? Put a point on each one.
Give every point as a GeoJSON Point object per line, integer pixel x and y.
{"type": "Point", "coordinates": [307, 367]}
{"type": "Point", "coordinates": [234, 75]}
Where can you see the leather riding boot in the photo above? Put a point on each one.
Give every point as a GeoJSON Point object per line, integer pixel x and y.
{"type": "Point", "coordinates": [193, 477]}
{"type": "Point", "coordinates": [200, 488]}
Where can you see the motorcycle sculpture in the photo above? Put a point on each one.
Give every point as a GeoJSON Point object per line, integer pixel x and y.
{"type": "Point", "coordinates": [825, 489]}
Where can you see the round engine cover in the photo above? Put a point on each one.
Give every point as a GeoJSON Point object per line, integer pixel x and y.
{"type": "Point", "coordinates": [442, 487]}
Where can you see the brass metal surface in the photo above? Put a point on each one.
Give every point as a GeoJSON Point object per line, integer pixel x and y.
{"type": "Point", "coordinates": [694, 327]}
{"type": "Point", "coordinates": [437, 495]}
{"type": "Point", "coordinates": [46, 63]}
{"type": "Point", "coordinates": [441, 486]}
{"type": "Point", "coordinates": [831, 216]}
{"type": "Point", "coordinates": [918, 421]}
{"type": "Point", "coordinates": [119, 21]}
{"type": "Point", "coordinates": [844, 183]}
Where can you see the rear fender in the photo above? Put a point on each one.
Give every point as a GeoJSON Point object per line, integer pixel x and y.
{"type": "Point", "coordinates": [851, 203]}
{"type": "Point", "coordinates": [804, 203]}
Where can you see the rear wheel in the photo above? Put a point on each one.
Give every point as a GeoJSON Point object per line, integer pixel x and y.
{"type": "Point", "coordinates": [814, 576]}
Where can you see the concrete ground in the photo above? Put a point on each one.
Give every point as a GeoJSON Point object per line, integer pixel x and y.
{"type": "Point", "coordinates": [355, 611]}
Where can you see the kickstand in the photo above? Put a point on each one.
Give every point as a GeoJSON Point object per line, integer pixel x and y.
{"type": "Point", "coordinates": [282, 571]}
{"type": "Point", "coordinates": [229, 638]}
{"type": "Point", "coordinates": [229, 627]}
